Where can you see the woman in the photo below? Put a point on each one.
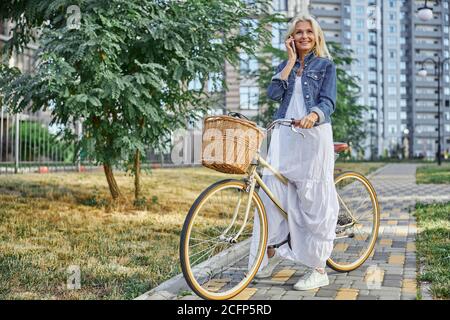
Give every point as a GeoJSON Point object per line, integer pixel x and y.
{"type": "Point", "coordinates": [305, 86]}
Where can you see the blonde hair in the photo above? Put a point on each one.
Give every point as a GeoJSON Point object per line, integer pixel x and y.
{"type": "Point", "coordinates": [320, 48]}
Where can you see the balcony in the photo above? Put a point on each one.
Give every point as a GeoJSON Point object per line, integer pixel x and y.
{"type": "Point", "coordinates": [326, 13]}
{"type": "Point", "coordinates": [424, 45]}
{"type": "Point", "coordinates": [330, 26]}
{"type": "Point", "coordinates": [425, 96]}
{"type": "Point", "coordinates": [436, 9]}
{"type": "Point", "coordinates": [428, 34]}
{"type": "Point", "coordinates": [426, 84]}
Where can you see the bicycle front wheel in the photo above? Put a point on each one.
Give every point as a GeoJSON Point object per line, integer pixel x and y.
{"type": "Point", "coordinates": [216, 237]}
{"type": "Point", "coordinates": [358, 222]}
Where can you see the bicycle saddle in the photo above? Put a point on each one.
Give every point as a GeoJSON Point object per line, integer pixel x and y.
{"type": "Point", "coordinates": [340, 147]}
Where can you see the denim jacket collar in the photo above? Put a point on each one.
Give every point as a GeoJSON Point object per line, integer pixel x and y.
{"type": "Point", "coordinates": [307, 58]}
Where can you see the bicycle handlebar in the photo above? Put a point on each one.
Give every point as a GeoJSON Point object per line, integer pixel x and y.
{"type": "Point", "coordinates": [284, 122]}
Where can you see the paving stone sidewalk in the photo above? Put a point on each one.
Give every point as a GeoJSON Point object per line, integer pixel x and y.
{"type": "Point", "coordinates": [393, 260]}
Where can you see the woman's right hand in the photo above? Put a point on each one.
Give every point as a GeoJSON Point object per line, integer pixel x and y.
{"type": "Point", "coordinates": [292, 54]}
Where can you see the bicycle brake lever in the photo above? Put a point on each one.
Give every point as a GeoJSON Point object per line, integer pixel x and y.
{"type": "Point", "coordinates": [296, 131]}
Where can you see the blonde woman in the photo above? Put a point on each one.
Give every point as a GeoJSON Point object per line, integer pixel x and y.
{"type": "Point", "coordinates": [305, 86]}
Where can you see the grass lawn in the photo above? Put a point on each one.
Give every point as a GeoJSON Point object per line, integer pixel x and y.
{"type": "Point", "coordinates": [433, 246]}
{"type": "Point", "coordinates": [362, 167]}
{"type": "Point", "coordinates": [50, 222]}
{"type": "Point", "coordinates": [433, 174]}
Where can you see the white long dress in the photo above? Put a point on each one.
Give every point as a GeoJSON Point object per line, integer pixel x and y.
{"type": "Point", "coordinates": [310, 198]}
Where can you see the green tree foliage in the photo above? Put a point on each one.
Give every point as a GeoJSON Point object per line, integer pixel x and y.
{"type": "Point", "coordinates": [125, 71]}
{"type": "Point", "coordinates": [347, 118]}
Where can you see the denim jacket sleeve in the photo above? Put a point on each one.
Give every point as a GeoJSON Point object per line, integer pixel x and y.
{"type": "Point", "coordinates": [327, 95]}
{"type": "Point", "coordinates": [277, 87]}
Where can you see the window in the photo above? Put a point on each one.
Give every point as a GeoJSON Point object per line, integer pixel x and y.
{"type": "Point", "coordinates": [392, 115]}
{"type": "Point", "coordinates": [280, 5]}
{"type": "Point", "coordinates": [215, 82]}
{"type": "Point", "coordinates": [392, 128]}
{"type": "Point", "coordinates": [424, 128]}
{"type": "Point", "coordinates": [392, 40]}
{"type": "Point", "coordinates": [248, 26]}
{"type": "Point", "coordinates": [195, 84]}
{"type": "Point", "coordinates": [249, 97]}
{"type": "Point", "coordinates": [392, 65]}
{"type": "Point", "coordinates": [403, 116]}
{"type": "Point", "coordinates": [360, 10]}
{"type": "Point", "coordinates": [247, 64]}
{"type": "Point", "coordinates": [392, 91]}
{"type": "Point", "coordinates": [360, 23]}
{"type": "Point", "coordinates": [278, 31]}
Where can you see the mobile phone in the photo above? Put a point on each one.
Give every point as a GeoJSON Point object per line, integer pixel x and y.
{"type": "Point", "coordinates": [293, 45]}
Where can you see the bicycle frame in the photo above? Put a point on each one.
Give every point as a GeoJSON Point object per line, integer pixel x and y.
{"type": "Point", "coordinates": [253, 177]}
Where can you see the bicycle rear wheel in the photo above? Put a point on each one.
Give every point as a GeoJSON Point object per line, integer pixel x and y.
{"type": "Point", "coordinates": [358, 222]}
{"type": "Point", "coordinates": [215, 240]}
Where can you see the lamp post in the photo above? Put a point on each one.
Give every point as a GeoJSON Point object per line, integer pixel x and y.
{"type": "Point", "coordinates": [425, 13]}
{"type": "Point", "coordinates": [405, 144]}
{"type": "Point", "coordinates": [439, 70]}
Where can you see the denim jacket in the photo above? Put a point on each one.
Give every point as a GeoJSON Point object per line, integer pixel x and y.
{"type": "Point", "coordinates": [318, 84]}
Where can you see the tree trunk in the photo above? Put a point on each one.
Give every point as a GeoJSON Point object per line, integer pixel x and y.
{"type": "Point", "coordinates": [113, 187]}
{"type": "Point", "coordinates": [137, 175]}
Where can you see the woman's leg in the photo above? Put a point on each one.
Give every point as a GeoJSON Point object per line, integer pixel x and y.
{"type": "Point", "coordinates": [270, 252]}
{"type": "Point", "coordinates": [321, 270]}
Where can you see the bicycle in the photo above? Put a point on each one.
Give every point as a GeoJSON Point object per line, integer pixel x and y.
{"type": "Point", "coordinates": [216, 235]}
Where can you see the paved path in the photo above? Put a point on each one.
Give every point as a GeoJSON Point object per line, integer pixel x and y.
{"type": "Point", "coordinates": [392, 263]}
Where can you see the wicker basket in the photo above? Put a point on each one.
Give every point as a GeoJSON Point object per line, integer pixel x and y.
{"type": "Point", "coordinates": [229, 144]}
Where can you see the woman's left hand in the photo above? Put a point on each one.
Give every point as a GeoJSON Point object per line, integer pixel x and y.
{"type": "Point", "coordinates": [307, 122]}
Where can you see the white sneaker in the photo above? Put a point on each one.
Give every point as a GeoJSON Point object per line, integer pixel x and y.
{"type": "Point", "coordinates": [311, 280]}
{"type": "Point", "coordinates": [267, 271]}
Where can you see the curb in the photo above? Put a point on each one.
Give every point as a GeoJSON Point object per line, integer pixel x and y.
{"type": "Point", "coordinates": [169, 289]}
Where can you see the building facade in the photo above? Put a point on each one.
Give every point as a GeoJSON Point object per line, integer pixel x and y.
{"type": "Point", "coordinates": [389, 42]}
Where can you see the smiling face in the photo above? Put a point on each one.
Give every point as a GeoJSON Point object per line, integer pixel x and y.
{"type": "Point", "coordinates": [305, 39]}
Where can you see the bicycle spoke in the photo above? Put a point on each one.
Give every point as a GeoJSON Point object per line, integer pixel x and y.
{"type": "Point", "coordinates": [355, 200]}
{"type": "Point", "coordinates": [221, 214]}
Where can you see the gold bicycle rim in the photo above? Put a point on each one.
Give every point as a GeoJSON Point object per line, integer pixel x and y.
{"type": "Point", "coordinates": [263, 238]}
{"type": "Point", "coordinates": [373, 196]}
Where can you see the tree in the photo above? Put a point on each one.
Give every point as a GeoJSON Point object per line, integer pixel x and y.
{"type": "Point", "coordinates": [124, 72]}
{"type": "Point", "coordinates": [347, 118]}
